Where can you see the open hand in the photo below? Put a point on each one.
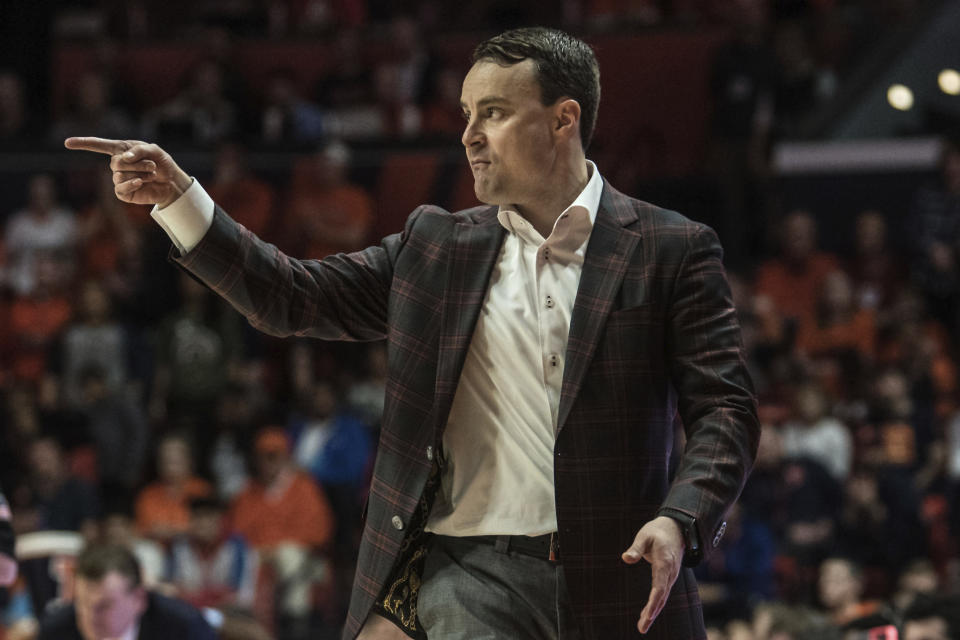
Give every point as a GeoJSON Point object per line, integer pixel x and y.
{"type": "Point", "coordinates": [143, 173]}
{"type": "Point", "coordinates": [660, 543]}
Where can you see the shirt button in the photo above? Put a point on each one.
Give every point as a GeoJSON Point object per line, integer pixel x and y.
{"type": "Point", "coordinates": [430, 453]}
{"type": "Point", "coordinates": [397, 523]}
{"type": "Point", "coordinates": [546, 254]}
{"type": "Point", "coordinates": [554, 360]}
{"type": "Point", "coordinates": [549, 302]}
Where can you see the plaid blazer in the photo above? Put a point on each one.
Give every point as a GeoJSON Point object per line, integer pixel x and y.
{"type": "Point", "coordinates": [653, 337]}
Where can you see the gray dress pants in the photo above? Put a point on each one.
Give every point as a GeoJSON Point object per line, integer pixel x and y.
{"type": "Point", "coordinates": [478, 591]}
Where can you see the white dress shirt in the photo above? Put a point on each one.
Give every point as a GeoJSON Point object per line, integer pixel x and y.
{"type": "Point", "coordinates": [499, 438]}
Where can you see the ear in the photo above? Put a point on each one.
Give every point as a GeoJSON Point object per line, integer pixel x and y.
{"type": "Point", "coordinates": [140, 595]}
{"type": "Point", "coordinates": [567, 122]}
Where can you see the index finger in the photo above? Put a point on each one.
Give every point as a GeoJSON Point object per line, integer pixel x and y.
{"type": "Point", "coordinates": [98, 145]}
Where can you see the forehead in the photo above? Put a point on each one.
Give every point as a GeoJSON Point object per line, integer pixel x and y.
{"type": "Point", "coordinates": [113, 585]}
{"type": "Point", "coordinates": [489, 79]}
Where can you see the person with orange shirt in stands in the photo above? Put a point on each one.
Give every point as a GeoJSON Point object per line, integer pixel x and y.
{"type": "Point", "coordinates": [327, 214]}
{"type": "Point", "coordinates": [791, 281]}
{"type": "Point", "coordinates": [838, 325]}
{"type": "Point", "coordinates": [37, 319]}
{"type": "Point", "coordinates": [250, 199]}
{"type": "Point", "coordinates": [163, 507]}
{"type": "Point", "coordinates": [284, 515]}
{"type": "Point", "coordinates": [109, 231]}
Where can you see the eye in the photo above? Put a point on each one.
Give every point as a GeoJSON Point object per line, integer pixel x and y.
{"type": "Point", "coordinates": [493, 112]}
{"type": "Point", "coordinates": [466, 115]}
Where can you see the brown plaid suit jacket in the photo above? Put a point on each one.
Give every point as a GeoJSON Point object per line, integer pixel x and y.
{"type": "Point", "coordinates": [653, 337]}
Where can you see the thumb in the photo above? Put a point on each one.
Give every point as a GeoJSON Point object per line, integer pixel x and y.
{"type": "Point", "coordinates": [640, 546]}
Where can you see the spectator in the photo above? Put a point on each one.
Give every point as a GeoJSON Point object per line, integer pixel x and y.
{"type": "Point", "coordinates": [92, 108]}
{"type": "Point", "coordinates": [287, 117]}
{"type": "Point", "coordinates": [917, 581]}
{"type": "Point", "coordinates": [200, 113]}
{"type": "Point", "coordinates": [118, 528]}
{"type": "Point", "coordinates": [118, 428]}
{"type": "Point", "coordinates": [210, 567]}
{"type": "Point", "coordinates": [346, 91]}
{"type": "Point", "coordinates": [876, 270]}
{"type": "Point", "coordinates": [401, 77]}
{"type": "Point", "coordinates": [235, 421]}
{"type": "Point", "coordinates": [198, 345]}
{"type": "Point", "coordinates": [43, 226]}
{"type": "Point", "coordinates": [742, 83]}
{"type": "Point", "coordinates": [249, 199]}
{"type": "Point", "coordinates": [366, 396]}
{"type": "Point", "coordinates": [333, 445]}
{"type": "Point", "coordinates": [801, 501]}
{"type": "Point", "coordinates": [442, 116]}
{"type": "Point", "coordinates": [814, 434]}
{"type": "Point", "coordinates": [934, 237]}
{"type": "Point", "coordinates": [109, 231]}
{"type": "Point", "coordinates": [838, 325]}
{"type": "Point", "coordinates": [740, 572]}
{"type": "Point", "coordinates": [793, 279]}
{"type": "Point", "coordinates": [932, 618]}
{"type": "Point", "coordinates": [53, 499]}
{"type": "Point", "coordinates": [16, 122]}
{"type": "Point", "coordinates": [38, 318]}
{"type": "Point", "coordinates": [112, 602]}
{"type": "Point", "coordinates": [796, 80]}
{"type": "Point", "coordinates": [93, 339]}
{"type": "Point", "coordinates": [841, 591]}
{"type": "Point", "coordinates": [163, 507]}
{"type": "Point", "coordinates": [326, 213]}
{"type": "Point", "coordinates": [286, 518]}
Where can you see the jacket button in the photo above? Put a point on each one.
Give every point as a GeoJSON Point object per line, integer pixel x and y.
{"type": "Point", "coordinates": [397, 523]}
{"type": "Point", "coordinates": [720, 532]}
{"type": "Point", "coordinates": [430, 453]}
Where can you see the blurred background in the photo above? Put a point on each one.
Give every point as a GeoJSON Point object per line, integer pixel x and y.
{"type": "Point", "coordinates": [818, 137]}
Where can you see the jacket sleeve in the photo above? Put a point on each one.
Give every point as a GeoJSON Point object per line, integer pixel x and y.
{"type": "Point", "coordinates": [342, 297]}
{"type": "Point", "coordinates": [714, 393]}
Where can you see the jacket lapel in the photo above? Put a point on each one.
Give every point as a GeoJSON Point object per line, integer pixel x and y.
{"type": "Point", "coordinates": [609, 253]}
{"type": "Point", "coordinates": [472, 256]}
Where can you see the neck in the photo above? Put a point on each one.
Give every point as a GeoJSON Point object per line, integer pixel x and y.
{"type": "Point", "coordinates": [556, 196]}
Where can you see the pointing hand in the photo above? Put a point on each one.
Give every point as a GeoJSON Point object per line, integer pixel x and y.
{"type": "Point", "coordinates": [143, 173]}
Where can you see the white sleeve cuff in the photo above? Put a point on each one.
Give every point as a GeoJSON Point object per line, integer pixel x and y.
{"type": "Point", "coordinates": [187, 219]}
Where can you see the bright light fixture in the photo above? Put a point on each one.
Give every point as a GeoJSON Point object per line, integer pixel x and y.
{"type": "Point", "coordinates": [949, 81]}
{"type": "Point", "coordinates": [900, 97]}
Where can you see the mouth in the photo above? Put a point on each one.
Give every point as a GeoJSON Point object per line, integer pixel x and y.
{"type": "Point", "coordinates": [479, 164]}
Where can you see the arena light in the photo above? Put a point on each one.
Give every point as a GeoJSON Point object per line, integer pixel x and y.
{"type": "Point", "coordinates": [900, 97]}
{"type": "Point", "coordinates": [949, 81]}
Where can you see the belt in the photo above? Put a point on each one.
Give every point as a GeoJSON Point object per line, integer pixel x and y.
{"type": "Point", "coordinates": [545, 547]}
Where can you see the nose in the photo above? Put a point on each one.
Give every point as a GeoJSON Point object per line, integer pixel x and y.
{"type": "Point", "coordinates": [471, 134]}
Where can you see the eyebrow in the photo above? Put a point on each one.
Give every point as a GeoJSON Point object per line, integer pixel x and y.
{"type": "Point", "coordinates": [482, 102]}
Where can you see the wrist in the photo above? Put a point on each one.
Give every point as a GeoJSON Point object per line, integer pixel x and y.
{"type": "Point", "coordinates": [181, 182]}
{"type": "Point", "coordinates": [687, 524]}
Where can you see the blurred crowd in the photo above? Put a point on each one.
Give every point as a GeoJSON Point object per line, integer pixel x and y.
{"type": "Point", "coordinates": [137, 408]}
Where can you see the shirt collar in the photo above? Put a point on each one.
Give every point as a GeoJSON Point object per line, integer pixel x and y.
{"type": "Point", "coordinates": [589, 199]}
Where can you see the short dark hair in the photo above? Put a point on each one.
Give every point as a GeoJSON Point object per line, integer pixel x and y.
{"type": "Point", "coordinates": [97, 560]}
{"type": "Point", "coordinates": [566, 67]}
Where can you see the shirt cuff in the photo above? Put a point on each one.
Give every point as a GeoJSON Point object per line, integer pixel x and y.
{"type": "Point", "coordinates": [186, 219]}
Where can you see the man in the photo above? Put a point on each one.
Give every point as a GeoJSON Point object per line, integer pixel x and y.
{"type": "Point", "coordinates": [8, 562]}
{"type": "Point", "coordinates": [932, 618]}
{"type": "Point", "coordinates": [110, 603]}
{"type": "Point", "coordinates": [533, 384]}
